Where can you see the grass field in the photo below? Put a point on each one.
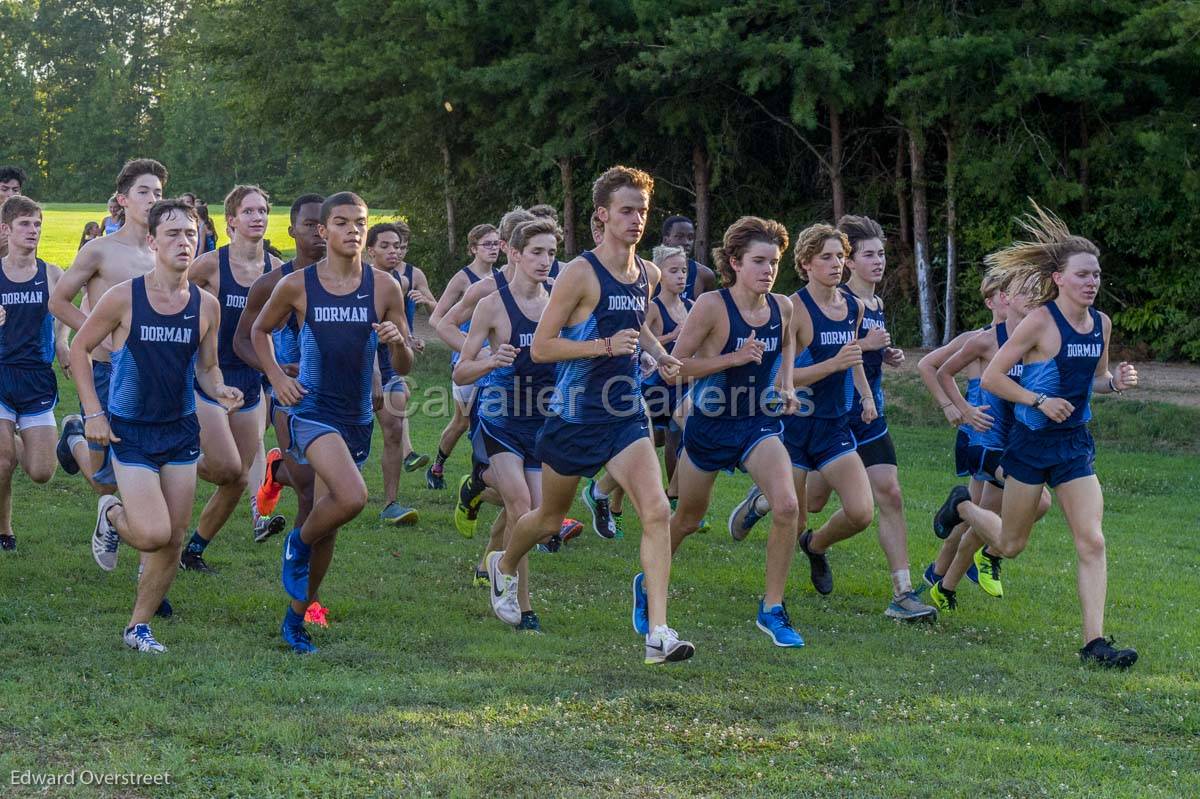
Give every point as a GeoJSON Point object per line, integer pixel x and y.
{"type": "Point", "coordinates": [63, 225]}
{"type": "Point", "coordinates": [419, 691]}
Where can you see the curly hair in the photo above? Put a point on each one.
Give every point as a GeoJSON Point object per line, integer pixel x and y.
{"type": "Point", "coordinates": [738, 238]}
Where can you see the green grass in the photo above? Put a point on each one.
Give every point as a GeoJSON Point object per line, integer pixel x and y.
{"type": "Point", "coordinates": [63, 225]}
{"type": "Point", "coordinates": [419, 690]}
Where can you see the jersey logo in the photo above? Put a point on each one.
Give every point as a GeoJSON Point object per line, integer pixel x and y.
{"type": "Point", "coordinates": [326, 314]}
{"type": "Point", "coordinates": [525, 340]}
{"type": "Point", "coordinates": [625, 302]}
{"type": "Point", "coordinates": [360, 296]}
{"type": "Point", "coordinates": [1083, 350]}
{"type": "Point", "coordinates": [829, 337]}
{"type": "Point", "coordinates": [22, 298]}
{"type": "Point", "coordinates": [186, 316]}
{"type": "Point", "coordinates": [770, 343]}
{"type": "Point", "coordinates": [235, 300]}
{"type": "Point", "coordinates": [164, 333]}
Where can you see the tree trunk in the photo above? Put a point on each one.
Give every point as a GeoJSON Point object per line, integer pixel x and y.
{"type": "Point", "coordinates": [700, 176]}
{"type": "Point", "coordinates": [451, 233]}
{"type": "Point", "coordinates": [1085, 142]}
{"type": "Point", "coordinates": [835, 164]}
{"type": "Point", "coordinates": [916, 155]}
{"type": "Point", "coordinates": [898, 185]}
{"type": "Point", "coordinates": [566, 170]}
{"type": "Point", "coordinates": [948, 326]}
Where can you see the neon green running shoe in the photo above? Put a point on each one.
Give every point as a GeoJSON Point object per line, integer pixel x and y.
{"type": "Point", "coordinates": [466, 517]}
{"type": "Point", "coordinates": [989, 572]}
{"type": "Point", "coordinates": [941, 598]}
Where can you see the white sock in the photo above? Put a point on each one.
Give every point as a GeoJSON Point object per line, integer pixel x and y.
{"type": "Point", "coordinates": [597, 493]}
{"type": "Point", "coordinates": [760, 505]}
{"type": "Point", "coordinates": [901, 582]}
{"type": "Point", "coordinates": [74, 440]}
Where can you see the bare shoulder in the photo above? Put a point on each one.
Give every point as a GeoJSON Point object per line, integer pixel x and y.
{"type": "Point", "coordinates": [785, 302]}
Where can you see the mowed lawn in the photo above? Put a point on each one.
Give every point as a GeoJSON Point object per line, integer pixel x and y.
{"type": "Point", "coordinates": [419, 690]}
{"type": "Point", "coordinates": [63, 225]}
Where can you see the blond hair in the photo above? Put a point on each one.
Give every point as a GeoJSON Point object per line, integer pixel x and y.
{"type": "Point", "coordinates": [664, 251]}
{"type": "Point", "coordinates": [811, 240]}
{"type": "Point", "coordinates": [1047, 251]}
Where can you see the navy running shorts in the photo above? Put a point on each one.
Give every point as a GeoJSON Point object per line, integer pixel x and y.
{"type": "Point", "coordinates": [722, 443]}
{"type": "Point", "coordinates": [303, 432]}
{"type": "Point", "coordinates": [581, 450]}
{"type": "Point", "coordinates": [1052, 456]}
{"type": "Point", "coordinates": [246, 379]}
{"type": "Point", "coordinates": [153, 445]}
{"type": "Point", "coordinates": [517, 436]}
{"type": "Point", "coordinates": [978, 463]}
{"type": "Point", "coordinates": [28, 396]}
{"type": "Point", "coordinates": [813, 443]}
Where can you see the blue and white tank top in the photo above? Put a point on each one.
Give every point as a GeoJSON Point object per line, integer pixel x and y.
{"type": "Point", "coordinates": [27, 336]}
{"type": "Point", "coordinates": [831, 396]}
{"type": "Point", "coordinates": [1069, 374]}
{"type": "Point", "coordinates": [749, 389]}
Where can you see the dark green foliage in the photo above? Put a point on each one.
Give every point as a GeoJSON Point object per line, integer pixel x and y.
{"type": "Point", "coordinates": [1088, 107]}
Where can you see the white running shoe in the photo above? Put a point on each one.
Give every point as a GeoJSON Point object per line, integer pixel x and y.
{"type": "Point", "coordinates": [503, 591]}
{"type": "Point", "coordinates": [140, 638]}
{"type": "Point", "coordinates": [663, 646]}
{"type": "Point", "coordinates": [104, 538]}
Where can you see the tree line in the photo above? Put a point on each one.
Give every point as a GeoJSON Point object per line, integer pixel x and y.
{"type": "Point", "coordinates": [938, 117]}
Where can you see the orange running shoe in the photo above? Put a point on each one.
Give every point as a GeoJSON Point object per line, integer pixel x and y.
{"type": "Point", "coordinates": [317, 614]}
{"type": "Point", "coordinates": [267, 496]}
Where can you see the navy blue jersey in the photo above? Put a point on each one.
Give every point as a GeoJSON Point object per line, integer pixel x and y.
{"type": "Point", "coordinates": [153, 373]}
{"type": "Point", "coordinates": [832, 395]}
{"type": "Point", "coordinates": [384, 358]}
{"type": "Point", "coordinates": [232, 297]}
{"type": "Point", "coordinates": [287, 338]}
{"type": "Point", "coordinates": [873, 360]}
{"type": "Point", "coordinates": [599, 389]}
{"type": "Point", "coordinates": [1001, 410]}
{"type": "Point", "coordinates": [27, 337]}
{"type": "Point", "coordinates": [689, 287]}
{"type": "Point", "coordinates": [410, 305]}
{"type": "Point", "coordinates": [668, 323]}
{"type": "Point", "coordinates": [745, 390]}
{"type": "Point", "coordinates": [521, 390]}
{"type": "Point", "coordinates": [555, 268]}
{"type": "Point", "coordinates": [1069, 374]}
{"type": "Point", "coordinates": [337, 345]}
{"type": "Point", "coordinates": [472, 279]}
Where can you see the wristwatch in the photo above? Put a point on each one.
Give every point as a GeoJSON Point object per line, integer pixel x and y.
{"type": "Point", "coordinates": [1040, 399]}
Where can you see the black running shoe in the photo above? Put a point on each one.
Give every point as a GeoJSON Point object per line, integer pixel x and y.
{"type": "Point", "coordinates": [165, 611]}
{"type": "Point", "coordinates": [1101, 652]}
{"type": "Point", "coordinates": [818, 566]}
{"type": "Point", "coordinates": [8, 543]}
{"type": "Point", "coordinates": [529, 622]}
{"type": "Point", "coordinates": [194, 562]}
{"type": "Point", "coordinates": [72, 426]}
{"type": "Point", "coordinates": [947, 518]}
{"type": "Point", "coordinates": [435, 479]}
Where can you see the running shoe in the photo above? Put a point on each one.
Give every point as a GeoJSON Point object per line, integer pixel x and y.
{"type": "Point", "coordinates": [818, 566]}
{"type": "Point", "coordinates": [104, 538]}
{"type": "Point", "coordinates": [987, 568]}
{"type": "Point", "coordinates": [571, 528]}
{"type": "Point", "coordinates": [267, 526]}
{"type": "Point", "coordinates": [943, 599]}
{"type": "Point", "coordinates": [8, 542]}
{"type": "Point", "coordinates": [140, 638]}
{"type": "Point", "coordinates": [165, 611]}
{"type": "Point", "coordinates": [72, 426]}
{"type": "Point", "coordinates": [294, 571]}
{"type": "Point", "coordinates": [930, 576]}
{"type": "Point", "coordinates": [414, 461]}
{"type": "Point", "coordinates": [602, 521]}
{"type": "Point", "coordinates": [641, 608]}
{"type": "Point", "coordinates": [550, 545]}
{"type": "Point", "coordinates": [503, 591]}
{"type": "Point", "coordinates": [663, 646]}
{"type": "Point", "coordinates": [317, 614]}
{"type": "Point", "coordinates": [267, 495]}
{"type": "Point", "coordinates": [947, 518]}
{"type": "Point", "coordinates": [705, 526]}
{"type": "Point", "coordinates": [620, 528]}
{"type": "Point", "coordinates": [1102, 652]}
{"type": "Point", "coordinates": [745, 515]}
{"type": "Point", "coordinates": [481, 575]}
{"type": "Point", "coordinates": [909, 607]}
{"type": "Point", "coordinates": [194, 562]}
{"type": "Point", "coordinates": [397, 514]}
{"type": "Point", "coordinates": [466, 511]}
{"type": "Point", "coordinates": [776, 623]}
{"type": "Point", "coordinates": [434, 477]}
{"type": "Point", "coordinates": [529, 622]}
{"type": "Point", "coordinates": [294, 635]}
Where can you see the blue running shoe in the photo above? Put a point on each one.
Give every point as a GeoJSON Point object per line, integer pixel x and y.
{"type": "Point", "coordinates": [973, 574]}
{"type": "Point", "coordinates": [776, 623]}
{"type": "Point", "coordinates": [165, 611]}
{"type": "Point", "coordinates": [72, 426]}
{"type": "Point", "coordinates": [745, 515]}
{"type": "Point", "coordinates": [294, 635]}
{"type": "Point", "coordinates": [931, 576]}
{"type": "Point", "coordinates": [294, 573]}
{"type": "Point", "coordinates": [139, 637]}
{"type": "Point", "coordinates": [641, 609]}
